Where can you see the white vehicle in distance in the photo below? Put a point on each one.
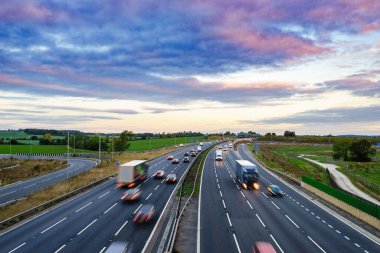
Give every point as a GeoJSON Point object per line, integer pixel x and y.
{"type": "Point", "coordinates": [218, 155]}
{"type": "Point", "coordinates": [201, 144]}
{"type": "Point", "coordinates": [230, 145]}
{"type": "Point", "coordinates": [199, 148]}
{"type": "Point", "coordinates": [225, 148]}
{"type": "Point", "coordinates": [181, 145]}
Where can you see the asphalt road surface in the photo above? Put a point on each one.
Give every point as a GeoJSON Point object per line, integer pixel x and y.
{"type": "Point", "coordinates": [232, 219]}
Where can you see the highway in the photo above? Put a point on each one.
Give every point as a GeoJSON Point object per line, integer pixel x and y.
{"type": "Point", "coordinates": [91, 221]}
{"type": "Point", "coordinates": [242, 217]}
{"type": "Point", "coordinates": [12, 192]}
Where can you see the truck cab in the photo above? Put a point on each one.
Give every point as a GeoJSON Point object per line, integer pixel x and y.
{"type": "Point", "coordinates": [247, 174]}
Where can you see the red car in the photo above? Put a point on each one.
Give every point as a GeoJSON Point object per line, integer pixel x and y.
{"type": "Point", "coordinates": [263, 247]}
{"type": "Point", "coordinates": [171, 178]}
{"type": "Point", "coordinates": [145, 214]}
{"type": "Point", "coordinates": [131, 194]}
{"type": "Point", "coordinates": [170, 157]}
{"type": "Point", "coordinates": [159, 174]}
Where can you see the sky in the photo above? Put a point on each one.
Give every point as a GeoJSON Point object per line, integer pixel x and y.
{"type": "Point", "coordinates": [312, 67]}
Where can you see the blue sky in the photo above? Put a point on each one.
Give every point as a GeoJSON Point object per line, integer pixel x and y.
{"type": "Point", "coordinates": [308, 66]}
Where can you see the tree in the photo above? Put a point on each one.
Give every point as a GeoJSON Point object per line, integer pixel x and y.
{"type": "Point", "coordinates": [340, 149]}
{"type": "Point", "coordinates": [122, 143]}
{"type": "Point", "coordinates": [289, 134]}
{"type": "Point", "coordinates": [48, 137]}
{"type": "Point", "coordinates": [361, 151]}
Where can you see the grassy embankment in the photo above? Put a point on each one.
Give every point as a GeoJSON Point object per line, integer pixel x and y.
{"type": "Point", "coordinates": [106, 169]}
{"type": "Point", "coordinates": [27, 169]}
{"type": "Point", "coordinates": [285, 158]}
{"type": "Point", "coordinates": [159, 143]}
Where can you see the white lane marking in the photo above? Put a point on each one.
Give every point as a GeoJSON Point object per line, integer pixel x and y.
{"type": "Point", "coordinates": [224, 204]}
{"type": "Point", "coordinates": [221, 195]}
{"type": "Point", "coordinates": [330, 226]}
{"type": "Point", "coordinates": [103, 195]}
{"type": "Point", "coordinates": [264, 194]}
{"type": "Point", "coordinates": [110, 208]}
{"type": "Point", "coordinates": [236, 242]}
{"type": "Point", "coordinates": [258, 217]}
{"type": "Point", "coordinates": [58, 250]}
{"type": "Point", "coordinates": [118, 231]}
{"type": "Point", "coordinates": [7, 193]}
{"type": "Point", "coordinates": [234, 181]}
{"type": "Point", "coordinates": [347, 237]}
{"type": "Point", "coordinates": [275, 205]}
{"type": "Point", "coordinates": [83, 207]}
{"type": "Point", "coordinates": [148, 196]}
{"type": "Point", "coordinates": [46, 180]}
{"type": "Point", "coordinates": [307, 209]}
{"type": "Point", "coordinates": [312, 213]}
{"type": "Point", "coordinates": [218, 186]}
{"type": "Point", "coordinates": [217, 181]}
{"type": "Point", "coordinates": [17, 247]}
{"type": "Point", "coordinates": [115, 187]}
{"type": "Point", "coordinates": [366, 251]}
{"type": "Point", "coordinates": [278, 246]}
{"type": "Point", "coordinates": [237, 187]}
{"type": "Point", "coordinates": [298, 203]}
{"type": "Point", "coordinates": [318, 217]}
{"type": "Point", "coordinates": [87, 226]}
{"type": "Point", "coordinates": [146, 180]}
{"type": "Point", "coordinates": [162, 181]}
{"type": "Point", "coordinates": [291, 221]}
{"type": "Point", "coordinates": [323, 221]}
{"type": "Point", "coordinates": [156, 187]}
{"type": "Point", "coordinates": [357, 245]}
{"type": "Point", "coordinates": [250, 205]}
{"type": "Point", "coordinates": [137, 208]}
{"type": "Point", "coordinates": [53, 225]}
{"type": "Point", "coordinates": [229, 221]}
{"type": "Point", "coordinates": [29, 186]}
{"type": "Point", "coordinates": [337, 231]}
{"type": "Point", "coordinates": [104, 248]}
{"type": "Point", "coordinates": [302, 206]}
{"type": "Point", "coordinates": [316, 244]}
{"type": "Point", "coordinates": [242, 194]}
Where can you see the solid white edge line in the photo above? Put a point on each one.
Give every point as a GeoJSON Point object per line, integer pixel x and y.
{"type": "Point", "coordinates": [229, 221]}
{"type": "Point", "coordinates": [236, 242]}
{"type": "Point", "coordinates": [262, 223]}
{"type": "Point", "coordinates": [324, 208]}
{"type": "Point", "coordinates": [58, 250]}
{"type": "Point", "coordinates": [295, 224]}
{"type": "Point", "coordinates": [137, 208]}
{"type": "Point", "coordinates": [316, 244]}
{"type": "Point", "coordinates": [87, 226]}
{"type": "Point", "coordinates": [118, 231]}
{"type": "Point", "coordinates": [53, 225]}
{"type": "Point", "coordinates": [83, 207]}
{"type": "Point", "coordinates": [17, 247]}
{"type": "Point", "coordinates": [110, 208]}
{"type": "Point", "coordinates": [278, 246]}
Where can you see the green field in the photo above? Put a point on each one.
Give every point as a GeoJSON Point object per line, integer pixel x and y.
{"type": "Point", "coordinates": [14, 135]}
{"type": "Point", "coordinates": [38, 149]}
{"type": "Point", "coordinates": [159, 143]}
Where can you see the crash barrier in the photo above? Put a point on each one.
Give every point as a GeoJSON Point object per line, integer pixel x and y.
{"type": "Point", "coordinates": [360, 208]}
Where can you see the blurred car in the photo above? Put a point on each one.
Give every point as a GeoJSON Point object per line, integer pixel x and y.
{"type": "Point", "coordinates": [230, 145]}
{"type": "Point", "coordinates": [170, 157]}
{"type": "Point", "coordinates": [225, 149]}
{"type": "Point", "coordinates": [186, 159]}
{"type": "Point", "coordinates": [175, 161]}
{"type": "Point", "coordinates": [275, 191]}
{"type": "Point", "coordinates": [193, 153]}
{"type": "Point", "coordinates": [119, 247]}
{"type": "Point", "coordinates": [186, 154]}
{"type": "Point", "coordinates": [159, 174]}
{"type": "Point", "coordinates": [145, 214]}
{"type": "Point", "coordinates": [263, 247]}
{"type": "Point", "coordinates": [171, 178]}
{"type": "Point", "coordinates": [131, 194]}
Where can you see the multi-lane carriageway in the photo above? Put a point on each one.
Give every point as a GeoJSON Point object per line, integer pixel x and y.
{"type": "Point", "coordinates": [91, 221]}
{"type": "Point", "coordinates": [232, 219]}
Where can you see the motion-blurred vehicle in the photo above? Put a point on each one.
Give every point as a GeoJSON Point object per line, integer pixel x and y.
{"type": "Point", "coordinates": [199, 148]}
{"type": "Point", "coordinates": [132, 173]}
{"type": "Point", "coordinates": [247, 174]}
{"type": "Point", "coordinates": [230, 145]}
{"type": "Point", "coordinates": [119, 247]}
{"type": "Point", "coordinates": [145, 214]}
{"type": "Point", "coordinates": [193, 153]}
{"type": "Point", "coordinates": [263, 247]}
{"type": "Point", "coordinates": [186, 159]}
{"type": "Point", "coordinates": [131, 194]}
{"type": "Point", "coordinates": [275, 191]}
{"type": "Point", "coordinates": [175, 161]}
{"type": "Point", "coordinates": [171, 178]}
{"type": "Point", "coordinates": [218, 155]}
{"type": "Point", "coordinates": [159, 174]}
{"type": "Point", "coordinates": [186, 154]}
{"type": "Point", "coordinates": [170, 157]}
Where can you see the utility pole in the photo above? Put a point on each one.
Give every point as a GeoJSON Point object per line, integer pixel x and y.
{"type": "Point", "coordinates": [68, 155]}
{"type": "Point", "coordinates": [74, 144]}
{"type": "Point", "coordinates": [112, 148]}
{"type": "Point", "coordinates": [10, 144]}
{"type": "Point", "coordinates": [99, 146]}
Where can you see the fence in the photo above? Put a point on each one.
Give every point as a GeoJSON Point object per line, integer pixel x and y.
{"type": "Point", "coordinates": [363, 205]}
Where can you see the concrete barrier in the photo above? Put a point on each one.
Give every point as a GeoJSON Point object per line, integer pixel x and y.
{"type": "Point", "coordinates": [342, 205]}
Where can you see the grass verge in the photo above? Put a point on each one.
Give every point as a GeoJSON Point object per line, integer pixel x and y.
{"type": "Point", "coordinates": [106, 169]}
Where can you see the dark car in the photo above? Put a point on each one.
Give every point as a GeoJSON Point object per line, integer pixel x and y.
{"type": "Point", "coordinates": [119, 247]}
{"type": "Point", "coordinates": [175, 161]}
{"type": "Point", "coordinates": [159, 174]}
{"type": "Point", "coordinates": [145, 214]}
{"type": "Point", "coordinates": [186, 159]}
{"type": "Point", "coordinates": [275, 191]}
{"type": "Point", "coordinates": [131, 194]}
{"type": "Point", "coordinates": [170, 157]}
{"type": "Point", "coordinates": [186, 154]}
{"type": "Point", "coordinates": [171, 178]}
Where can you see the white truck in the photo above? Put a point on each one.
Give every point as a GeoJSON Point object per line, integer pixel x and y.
{"type": "Point", "coordinates": [218, 155]}
{"type": "Point", "coordinates": [199, 148]}
{"type": "Point", "coordinates": [132, 173]}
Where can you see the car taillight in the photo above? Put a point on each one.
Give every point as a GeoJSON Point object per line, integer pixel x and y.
{"type": "Point", "coordinates": [150, 215]}
{"type": "Point", "coordinates": [174, 180]}
{"type": "Point", "coordinates": [137, 216]}
{"type": "Point", "coordinates": [167, 179]}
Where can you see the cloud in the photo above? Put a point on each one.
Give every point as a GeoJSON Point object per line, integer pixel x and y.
{"type": "Point", "coordinates": [326, 117]}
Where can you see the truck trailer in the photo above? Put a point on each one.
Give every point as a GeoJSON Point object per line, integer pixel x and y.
{"type": "Point", "coordinates": [132, 173]}
{"type": "Point", "coordinates": [247, 174]}
{"type": "Point", "coordinates": [218, 155]}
